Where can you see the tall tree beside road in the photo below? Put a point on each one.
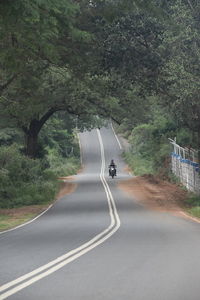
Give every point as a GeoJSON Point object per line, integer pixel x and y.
{"type": "Point", "coordinates": [33, 36]}
{"type": "Point", "coordinates": [42, 56]}
{"type": "Point", "coordinates": [179, 83]}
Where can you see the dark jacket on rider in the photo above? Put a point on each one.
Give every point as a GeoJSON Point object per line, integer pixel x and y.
{"type": "Point", "coordinates": [112, 164]}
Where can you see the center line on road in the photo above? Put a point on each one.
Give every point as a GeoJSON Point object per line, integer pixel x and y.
{"type": "Point", "coordinates": [26, 280]}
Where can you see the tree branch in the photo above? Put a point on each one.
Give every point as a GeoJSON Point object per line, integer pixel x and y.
{"type": "Point", "coordinates": [104, 111]}
{"type": "Point", "coordinates": [4, 86]}
{"type": "Point", "coordinates": [190, 4]}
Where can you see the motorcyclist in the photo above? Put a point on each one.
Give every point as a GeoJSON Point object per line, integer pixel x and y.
{"type": "Point", "coordinates": [112, 164]}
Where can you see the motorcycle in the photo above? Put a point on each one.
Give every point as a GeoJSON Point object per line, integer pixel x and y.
{"type": "Point", "coordinates": [112, 172]}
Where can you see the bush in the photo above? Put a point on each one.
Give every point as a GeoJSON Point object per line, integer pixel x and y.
{"type": "Point", "coordinates": [61, 166]}
{"type": "Point", "coordinates": [24, 181]}
{"type": "Point", "coordinates": [8, 136]}
{"type": "Point", "coordinates": [139, 165]}
{"type": "Point", "coordinates": [124, 128]}
{"type": "Point", "coordinates": [150, 148]}
{"type": "Point", "coordinates": [195, 211]}
{"type": "Point", "coordinates": [193, 200]}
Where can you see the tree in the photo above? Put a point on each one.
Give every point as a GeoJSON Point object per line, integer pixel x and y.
{"type": "Point", "coordinates": [102, 58]}
{"type": "Point", "coordinates": [179, 80]}
{"type": "Point", "coordinates": [44, 81]}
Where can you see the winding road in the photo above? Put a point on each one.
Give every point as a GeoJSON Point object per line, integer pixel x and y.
{"type": "Point", "coordinates": [98, 243]}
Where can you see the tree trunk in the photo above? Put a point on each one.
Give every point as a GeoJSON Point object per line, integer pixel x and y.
{"type": "Point", "coordinates": [31, 145]}
{"type": "Point", "coordinates": [31, 138]}
{"type": "Point", "coordinates": [31, 133]}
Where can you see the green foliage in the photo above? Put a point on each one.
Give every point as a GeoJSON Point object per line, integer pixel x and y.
{"type": "Point", "coordinates": [43, 58]}
{"type": "Point", "coordinates": [18, 175]}
{"type": "Point", "coordinates": [193, 200]}
{"type": "Point", "coordinates": [185, 137]}
{"type": "Point", "coordinates": [24, 181]}
{"type": "Point", "coordinates": [195, 211]}
{"type": "Point", "coordinates": [58, 135]}
{"type": "Point", "coordinates": [138, 164]}
{"type": "Point", "coordinates": [150, 148]}
{"type": "Point", "coordinates": [9, 136]}
{"type": "Point", "coordinates": [178, 82]}
{"type": "Point", "coordinates": [125, 128]}
{"type": "Point", "coordinates": [32, 30]}
{"type": "Point", "coordinates": [63, 167]}
{"type": "Point", "coordinates": [131, 36]}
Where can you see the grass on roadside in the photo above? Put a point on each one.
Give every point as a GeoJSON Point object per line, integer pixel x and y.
{"type": "Point", "coordinates": [193, 202]}
{"type": "Point", "coordinates": [10, 221]}
{"type": "Point", "coordinates": [12, 217]}
{"type": "Point", "coordinates": [194, 211]}
{"type": "Point", "coordinates": [139, 165]}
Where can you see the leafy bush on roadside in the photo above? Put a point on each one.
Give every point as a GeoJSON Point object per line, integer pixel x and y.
{"type": "Point", "coordinates": [193, 202]}
{"type": "Point", "coordinates": [195, 211]}
{"type": "Point", "coordinates": [8, 136]}
{"type": "Point", "coordinates": [150, 147]}
{"type": "Point", "coordinates": [138, 164]}
{"type": "Point", "coordinates": [24, 181]}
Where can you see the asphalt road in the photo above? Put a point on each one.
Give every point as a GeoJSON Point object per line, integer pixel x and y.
{"type": "Point", "coordinates": [99, 244]}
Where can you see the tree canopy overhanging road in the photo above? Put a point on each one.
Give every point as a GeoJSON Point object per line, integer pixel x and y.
{"type": "Point", "coordinates": [99, 58]}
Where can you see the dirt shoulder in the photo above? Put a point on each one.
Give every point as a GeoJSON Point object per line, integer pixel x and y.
{"type": "Point", "coordinates": [155, 194]}
{"type": "Point", "coordinates": [10, 218]}
{"type": "Point", "coordinates": [67, 186]}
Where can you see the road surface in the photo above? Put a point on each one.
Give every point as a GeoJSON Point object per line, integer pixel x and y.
{"type": "Point", "coordinates": [99, 244]}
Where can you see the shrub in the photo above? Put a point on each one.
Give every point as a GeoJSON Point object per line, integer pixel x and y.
{"type": "Point", "coordinates": [150, 148]}
{"type": "Point", "coordinates": [195, 211]}
{"type": "Point", "coordinates": [193, 200]}
{"type": "Point", "coordinates": [139, 165]}
{"type": "Point", "coordinates": [24, 181]}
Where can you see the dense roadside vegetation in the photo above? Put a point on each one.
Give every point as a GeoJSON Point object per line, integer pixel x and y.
{"type": "Point", "coordinates": [27, 181]}
{"type": "Point", "coordinates": [63, 63]}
